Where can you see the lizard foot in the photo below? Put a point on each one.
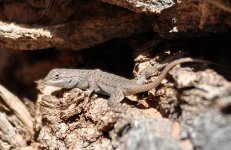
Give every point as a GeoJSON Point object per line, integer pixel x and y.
{"type": "Point", "coordinates": [116, 107]}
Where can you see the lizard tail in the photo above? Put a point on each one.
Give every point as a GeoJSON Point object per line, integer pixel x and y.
{"type": "Point", "coordinates": [154, 84]}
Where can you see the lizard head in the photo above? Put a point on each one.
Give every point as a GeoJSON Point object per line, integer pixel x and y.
{"type": "Point", "coordinates": [60, 78]}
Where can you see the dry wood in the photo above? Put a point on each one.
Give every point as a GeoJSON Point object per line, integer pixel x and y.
{"type": "Point", "coordinates": [143, 6]}
{"type": "Point", "coordinates": [10, 136]}
{"type": "Point", "coordinates": [18, 107]}
{"type": "Point", "coordinates": [84, 32]}
{"type": "Point", "coordinates": [94, 126]}
{"type": "Point", "coordinates": [78, 35]}
{"type": "Point", "coordinates": [174, 20]}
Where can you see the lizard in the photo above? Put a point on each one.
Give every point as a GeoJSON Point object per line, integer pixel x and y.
{"type": "Point", "coordinates": [114, 86]}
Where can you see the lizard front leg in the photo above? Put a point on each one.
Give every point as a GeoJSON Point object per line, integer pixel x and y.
{"type": "Point", "coordinates": [93, 87]}
{"type": "Point", "coordinates": [84, 84]}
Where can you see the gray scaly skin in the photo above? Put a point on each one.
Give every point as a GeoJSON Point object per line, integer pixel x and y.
{"type": "Point", "coordinates": [106, 83]}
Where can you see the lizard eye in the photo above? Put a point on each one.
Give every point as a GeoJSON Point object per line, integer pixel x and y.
{"type": "Point", "coordinates": [57, 76]}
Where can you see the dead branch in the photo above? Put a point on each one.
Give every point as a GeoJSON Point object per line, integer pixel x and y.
{"type": "Point", "coordinates": [18, 107]}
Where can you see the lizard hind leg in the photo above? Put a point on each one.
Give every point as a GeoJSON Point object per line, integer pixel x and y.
{"type": "Point", "coordinates": [114, 101]}
{"type": "Point", "coordinates": [115, 98]}
{"type": "Point", "coordinates": [116, 95]}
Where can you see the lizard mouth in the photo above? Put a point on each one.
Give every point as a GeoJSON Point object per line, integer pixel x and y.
{"type": "Point", "coordinates": [44, 81]}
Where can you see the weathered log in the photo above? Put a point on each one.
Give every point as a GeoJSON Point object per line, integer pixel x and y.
{"type": "Point", "coordinates": [140, 6]}
{"type": "Point", "coordinates": [16, 123]}
{"type": "Point", "coordinates": [83, 32]}
{"type": "Point", "coordinates": [94, 125]}
{"type": "Point", "coordinates": [70, 113]}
